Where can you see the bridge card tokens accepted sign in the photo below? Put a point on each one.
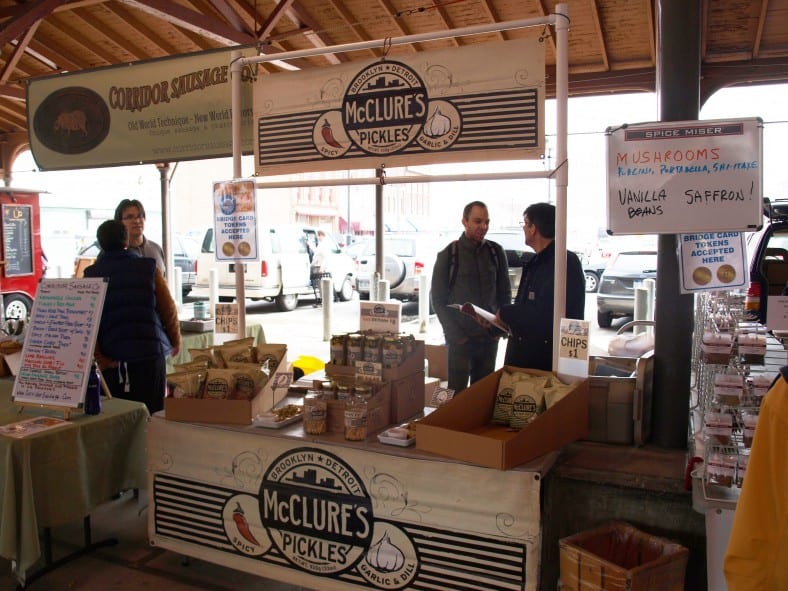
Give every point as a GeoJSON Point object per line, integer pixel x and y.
{"type": "Point", "coordinates": [685, 176]}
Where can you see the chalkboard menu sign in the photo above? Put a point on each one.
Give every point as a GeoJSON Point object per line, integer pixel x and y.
{"type": "Point", "coordinates": [58, 352]}
{"type": "Point", "coordinates": [17, 239]}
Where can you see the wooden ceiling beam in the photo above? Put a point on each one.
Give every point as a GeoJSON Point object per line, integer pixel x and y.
{"type": "Point", "coordinates": [191, 20]}
{"type": "Point", "coordinates": [352, 24]}
{"type": "Point", "coordinates": [13, 91]}
{"type": "Point", "coordinates": [101, 32]}
{"type": "Point", "coordinates": [756, 44]}
{"type": "Point", "coordinates": [600, 34]}
{"type": "Point", "coordinates": [446, 22]}
{"type": "Point", "coordinates": [13, 60]}
{"type": "Point", "coordinates": [266, 29]}
{"type": "Point", "coordinates": [83, 40]}
{"type": "Point", "coordinates": [27, 15]}
{"type": "Point", "coordinates": [58, 55]}
{"type": "Point", "coordinates": [493, 16]}
{"type": "Point", "coordinates": [315, 36]}
{"type": "Point", "coordinates": [140, 26]}
{"type": "Point", "coordinates": [230, 15]}
{"type": "Point", "coordinates": [398, 24]}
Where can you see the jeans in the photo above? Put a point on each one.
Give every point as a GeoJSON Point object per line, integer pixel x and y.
{"type": "Point", "coordinates": [472, 359]}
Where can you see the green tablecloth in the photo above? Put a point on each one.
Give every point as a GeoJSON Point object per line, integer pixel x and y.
{"type": "Point", "coordinates": [203, 340]}
{"type": "Point", "coordinates": [58, 476]}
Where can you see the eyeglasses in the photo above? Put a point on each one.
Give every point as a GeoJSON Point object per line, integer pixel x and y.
{"type": "Point", "coordinates": [129, 217]}
{"type": "Point", "coordinates": [525, 224]}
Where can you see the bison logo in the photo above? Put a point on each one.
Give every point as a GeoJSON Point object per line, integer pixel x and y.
{"type": "Point", "coordinates": [72, 120]}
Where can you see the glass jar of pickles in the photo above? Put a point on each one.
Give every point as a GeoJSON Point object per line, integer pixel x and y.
{"type": "Point", "coordinates": [356, 419]}
{"type": "Point", "coordinates": [315, 413]}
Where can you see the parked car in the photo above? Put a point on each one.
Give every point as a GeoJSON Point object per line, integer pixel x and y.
{"type": "Point", "coordinates": [408, 256]}
{"type": "Point", "coordinates": [593, 272]}
{"type": "Point", "coordinates": [768, 252]}
{"type": "Point", "coordinates": [282, 274]}
{"type": "Point", "coordinates": [185, 252]}
{"type": "Point", "coordinates": [626, 271]}
{"type": "Point", "coordinates": [517, 253]}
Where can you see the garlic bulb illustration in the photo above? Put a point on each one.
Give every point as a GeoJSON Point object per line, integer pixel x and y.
{"type": "Point", "coordinates": [385, 556]}
{"type": "Point", "coordinates": [437, 125]}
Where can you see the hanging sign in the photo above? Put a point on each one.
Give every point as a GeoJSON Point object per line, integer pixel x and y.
{"type": "Point", "coordinates": [175, 108]}
{"type": "Point", "coordinates": [712, 261]}
{"type": "Point", "coordinates": [477, 102]}
{"type": "Point", "coordinates": [235, 220]}
{"type": "Point", "coordinates": [685, 176]}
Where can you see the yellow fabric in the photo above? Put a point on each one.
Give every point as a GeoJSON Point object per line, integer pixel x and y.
{"type": "Point", "coordinates": [757, 554]}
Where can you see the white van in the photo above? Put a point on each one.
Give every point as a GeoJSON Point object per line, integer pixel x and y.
{"type": "Point", "coordinates": [283, 272]}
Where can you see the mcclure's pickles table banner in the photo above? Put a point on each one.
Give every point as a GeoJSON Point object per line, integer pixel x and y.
{"type": "Point", "coordinates": [153, 111]}
{"type": "Point", "coordinates": [477, 102]}
{"type": "Point", "coordinates": [328, 516]}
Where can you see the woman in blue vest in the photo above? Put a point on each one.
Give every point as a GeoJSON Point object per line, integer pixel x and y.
{"type": "Point", "coordinates": [139, 323]}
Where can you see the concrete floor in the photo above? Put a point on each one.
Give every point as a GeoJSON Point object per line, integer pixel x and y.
{"type": "Point", "coordinates": [131, 564]}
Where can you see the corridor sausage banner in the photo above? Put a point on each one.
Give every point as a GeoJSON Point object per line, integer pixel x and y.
{"type": "Point", "coordinates": [329, 516]}
{"type": "Point", "coordinates": [472, 103]}
{"type": "Point", "coordinates": [144, 112]}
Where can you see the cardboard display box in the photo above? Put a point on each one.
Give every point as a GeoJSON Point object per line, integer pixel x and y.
{"type": "Point", "coordinates": [620, 402]}
{"type": "Point", "coordinates": [437, 361]}
{"type": "Point", "coordinates": [378, 411]}
{"type": "Point", "coordinates": [228, 412]}
{"type": "Point", "coordinates": [618, 557]}
{"type": "Point", "coordinates": [407, 397]}
{"type": "Point", "coordinates": [410, 365]}
{"type": "Point", "coordinates": [462, 427]}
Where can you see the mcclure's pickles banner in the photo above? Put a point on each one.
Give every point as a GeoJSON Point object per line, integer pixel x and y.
{"type": "Point", "coordinates": [338, 517]}
{"type": "Point", "coordinates": [478, 102]}
{"type": "Point", "coordinates": [152, 111]}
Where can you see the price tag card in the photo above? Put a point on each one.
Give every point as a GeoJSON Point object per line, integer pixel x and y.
{"type": "Point", "coordinates": [441, 396]}
{"type": "Point", "coordinates": [574, 347]}
{"type": "Point", "coordinates": [777, 313]}
{"type": "Point", "coordinates": [226, 318]}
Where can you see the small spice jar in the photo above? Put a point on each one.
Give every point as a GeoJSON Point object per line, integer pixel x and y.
{"type": "Point", "coordinates": [356, 419]}
{"type": "Point", "coordinates": [315, 413]}
{"type": "Point", "coordinates": [343, 391]}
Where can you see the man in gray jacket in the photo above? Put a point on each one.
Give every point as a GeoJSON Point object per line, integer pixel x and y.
{"type": "Point", "coordinates": [470, 269]}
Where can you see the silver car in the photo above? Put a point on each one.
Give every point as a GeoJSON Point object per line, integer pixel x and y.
{"type": "Point", "coordinates": [625, 272]}
{"type": "Point", "coordinates": [407, 257]}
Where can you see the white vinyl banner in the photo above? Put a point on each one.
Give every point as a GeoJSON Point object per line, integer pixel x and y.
{"type": "Point", "coordinates": [152, 111]}
{"type": "Point", "coordinates": [476, 102]}
{"type": "Point", "coordinates": [685, 176]}
{"type": "Point", "coordinates": [333, 516]}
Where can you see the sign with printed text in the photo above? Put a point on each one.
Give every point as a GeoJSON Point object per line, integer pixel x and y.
{"type": "Point", "coordinates": [380, 317]}
{"type": "Point", "coordinates": [58, 351]}
{"type": "Point", "coordinates": [226, 319]}
{"type": "Point", "coordinates": [573, 349]}
{"type": "Point", "coordinates": [777, 313]}
{"type": "Point", "coordinates": [235, 220]}
{"type": "Point", "coordinates": [159, 110]}
{"type": "Point", "coordinates": [475, 102]}
{"type": "Point", "coordinates": [685, 176]}
{"type": "Point", "coordinates": [712, 261]}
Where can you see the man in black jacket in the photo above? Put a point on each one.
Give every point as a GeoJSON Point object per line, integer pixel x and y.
{"type": "Point", "coordinates": [530, 317]}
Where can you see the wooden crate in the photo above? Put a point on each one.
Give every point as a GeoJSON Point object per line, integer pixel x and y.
{"type": "Point", "coordinates": [619, 557]}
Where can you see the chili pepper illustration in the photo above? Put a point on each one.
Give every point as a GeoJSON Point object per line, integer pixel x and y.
{"type": "Point", "coordinates": [243, 525]}
{"type": "Point", "coordinates": [328, 135]}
